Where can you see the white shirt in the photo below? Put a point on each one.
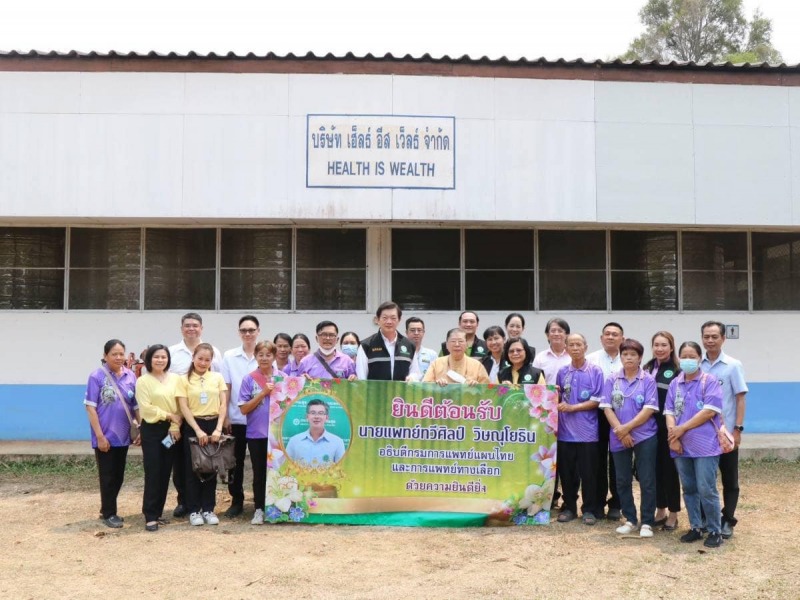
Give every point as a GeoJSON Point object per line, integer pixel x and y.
{"type": "Point", "coordinates": [181, 358]}
{"type": "Point", "coordinates": [605, 362]}
{"type": "Point", "coordinates": [235, 365]}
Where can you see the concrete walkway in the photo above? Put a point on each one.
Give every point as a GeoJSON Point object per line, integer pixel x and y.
{"type": "Point", "coordinates": [755, 446]}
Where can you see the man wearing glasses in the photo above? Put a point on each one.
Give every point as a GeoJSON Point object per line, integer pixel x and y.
{"type": "Point", "coordinates": [327, 362]}
{"type": "Point", "coordinates": [316, 446]}
{"type": "Point", "coordinates": [236, 363]}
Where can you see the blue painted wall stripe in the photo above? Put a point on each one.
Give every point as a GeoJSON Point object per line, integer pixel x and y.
{"type": "Point", "coordinates": [56, 412]}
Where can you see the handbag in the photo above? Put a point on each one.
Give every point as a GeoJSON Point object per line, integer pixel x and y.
{"type": "Point", "coordinates": [724, 436]}
{"type": "Point", "coordinates": [213, 459]}
{"type": "Point", "coordinates": [134, 431]}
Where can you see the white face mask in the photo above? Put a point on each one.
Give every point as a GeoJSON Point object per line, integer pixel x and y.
{"type": "Point", "coordinates": [327, 352]}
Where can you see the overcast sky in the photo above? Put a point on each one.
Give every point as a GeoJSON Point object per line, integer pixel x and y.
{"type": "Point", "coordinates": [554, 29]}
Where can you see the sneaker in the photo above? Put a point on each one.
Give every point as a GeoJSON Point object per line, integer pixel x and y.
{"type": "Point", "coordinates": [258, 517]}
{"type": "Point", "coordinates": [691, 536]}
{"type": "Point", "coordinates": [646, 531]}
{"type": "Point", "coordinates": [714, 540]}
{"type": "Point", "coordinates": [210, 518]}
{"type": "Point", "coordinates": [113, 521]}
{"type": "Point", "coordinates": [196, 519]}
{"type": "Point", "coordinates": [589, 519]}
{"type": "Point", "coordinates": [234, 510]}
{"type": "Point", "coordinates": [626, 529]}
{"type": "Point", "coordinates": [727, 530]}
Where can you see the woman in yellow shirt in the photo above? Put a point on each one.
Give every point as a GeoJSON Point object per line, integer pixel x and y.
{"type": "Point", "coordinates": [456, 367]}
{"type": "Point", "coordinates": [203, 399]}
{"type": "Point", "coordinates": [161, 420]}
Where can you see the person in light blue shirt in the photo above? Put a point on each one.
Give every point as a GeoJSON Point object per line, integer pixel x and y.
{"type": "Point", "coordinates": [316, 446]}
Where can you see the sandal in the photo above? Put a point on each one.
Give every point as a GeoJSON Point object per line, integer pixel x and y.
{"type": "Point", "coordinates": [666, 527]}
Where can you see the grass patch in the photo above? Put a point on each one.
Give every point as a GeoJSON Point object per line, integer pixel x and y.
{"type": "Point", "coordinates": [72, 471]}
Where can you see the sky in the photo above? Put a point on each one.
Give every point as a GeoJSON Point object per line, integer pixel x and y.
{"type": "Point", "coordinates": [570, 29]}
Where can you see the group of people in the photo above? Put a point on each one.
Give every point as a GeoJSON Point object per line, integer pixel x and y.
{"type": "Point", "coordinates": [665, 413]}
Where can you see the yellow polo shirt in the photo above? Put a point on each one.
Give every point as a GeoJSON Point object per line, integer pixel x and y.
{"type": "Point", "coordinates": [193, 387]}
{"type": "Point", "coordinates": [156, 400]}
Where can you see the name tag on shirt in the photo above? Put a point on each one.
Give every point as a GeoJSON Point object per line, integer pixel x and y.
{"type": "Point", "coordinates": [203, 398]}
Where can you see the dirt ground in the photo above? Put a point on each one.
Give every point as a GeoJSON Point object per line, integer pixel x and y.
{"type": "Point", "coordinates": [55, 547]}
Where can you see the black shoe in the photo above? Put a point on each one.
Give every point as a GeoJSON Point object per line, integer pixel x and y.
{"type": "Point", "coordinates": [162, 521]}
{"type": "Point", "coordinates": [180, 511]}
{"type": "Point", "coordinates": [234, 510]}
{"type": "Point", "coordinates": [113, 521]}
{"type": "Point", "coordinates": [151, 526]}
{"type": "Point", "coordinates": [691, 536]}
{"type": "Point", "coordinates": [727, 530]}
{"type": "Point", "coordinates": [714, 540]}
{"type": "Point", "coordinates": [614, 514]}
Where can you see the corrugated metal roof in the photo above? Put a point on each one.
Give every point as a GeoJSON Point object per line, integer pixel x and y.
{"type": "Point", "coordinates": [407, 58]}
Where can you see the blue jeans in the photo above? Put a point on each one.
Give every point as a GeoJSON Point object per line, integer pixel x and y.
{"type": "Point", "coordinates": [699, 481]}
{"type": "Point", "coordinates": [645, 452]}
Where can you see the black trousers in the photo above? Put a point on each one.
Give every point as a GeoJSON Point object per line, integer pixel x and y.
{"type": "Point", "coordinates": [157, 462]}
{"type": "Point", "coordinates": [179, 468]}
{"type": "Point", "coordinates": [729, 471]}
{"type": "Point", "coordinates": [236, 475]}
{"type": "Point", "coordinates": [668, 484]}
{"type": "Point", "coordinates": [258, 458]}
{"type": "Point", "coordinates": [577, 466]}
{"type": "Point", "coordinates": [606, 472]}
{"type": "Point", "coordinates": [201, 496]}
{"type": "Point", "coordinates": [111, 473]}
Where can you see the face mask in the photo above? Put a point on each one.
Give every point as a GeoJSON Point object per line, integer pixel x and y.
{"type": "Point", "coordinates": [327, 352]}
{"type": "Point", "coordinates": [350, 350]}
{"type": "Point", "coordinates": [689, 365]}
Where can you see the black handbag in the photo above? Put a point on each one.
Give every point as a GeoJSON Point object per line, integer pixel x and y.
{"type": "Point", "coordinates": [213, 459]}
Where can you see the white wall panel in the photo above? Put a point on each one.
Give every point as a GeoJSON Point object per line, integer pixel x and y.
{"type": "Point", "coordinates": [740, 105]}
{"type": "Point", "coordinates": [643, 102]}
{"type": "Point", "coordinates": [462, 97]}
{"type": "Point", "coordinates": [742, 175]}
{"type": "Point", "coordinates": [795, 166]}
{"type": "Point", "coordinates": [132, 93]}
{"type": "Point", "coordinates": [340, 94]}
{"type": "Point", "coordinates": [543, 100]}
{"type": "Point", "coordinates": [545, 171]}
{"type": "Point", "coordinates": [237, 94]}
{"type": "Point", "coordinates": [794, 109]}
{"type": "Point", "coordinates": [39, 92]}
{"type": "Point", "coordinates": [235, 166]}
{"type": "Point", "coordinates": [645, 173]}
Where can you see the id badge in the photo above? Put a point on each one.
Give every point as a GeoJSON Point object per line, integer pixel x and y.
{"type": "Point", "coordinates": [203, 398]}
{"type": "Point", "coordinates": [167, 441]}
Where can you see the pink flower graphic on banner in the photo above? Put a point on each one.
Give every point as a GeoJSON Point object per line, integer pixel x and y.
{"type": "Point", "coordinates": [293, 386]}
{"type": "Point", "coordinates": [275, 458]}
{"type": "Point", "coordinates": [325, 384]}
{"type": "Point", "coordinates": [546, 457]}
{"type": "Point", "coordinates": [551, 423]}
{"type": "Point", "coordinates": [275, 410]}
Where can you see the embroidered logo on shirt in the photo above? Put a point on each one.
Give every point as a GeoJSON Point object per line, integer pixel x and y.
{"type": "Point", "coordinates": [585, 395]}
{"type": "Point", "coordinates": [699, 405]}
{"type": "Point", "coordinates": [639, 400]}
{"type": "Point", "coordinates": [668, 374]}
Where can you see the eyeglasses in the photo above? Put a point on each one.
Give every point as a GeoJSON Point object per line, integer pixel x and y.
{"type": "Point", "coordinates": [327, 336]}
{"type": "Point", "coordinates": [516, 350]}
{"type": "Point", "coordinates": [317, 413]}
{"type": "Point", "coordinates": [248, 331]}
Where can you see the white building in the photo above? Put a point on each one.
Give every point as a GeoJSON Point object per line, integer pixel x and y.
{"type": "Point", "coordinates": [136, 188]}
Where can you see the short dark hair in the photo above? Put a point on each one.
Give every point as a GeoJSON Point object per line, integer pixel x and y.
{"type": "Point", "coordinates": [558, 321]}
{"type": "Point", "coordinates": [282, 336]}
{"type": "Point", "coordinates": [513, 340]}
{"type": "Point", "coordinates": [631, 344]}
{"type": "Point", "coordinates": [471, 312]}
{"type": "Point", "coordinates": [148, 357]}
{"type": "Point", "coordinates": [301, 336]}
{"type": "Point", "coordinates": [249, 318]}
{"type": "Point", "coordinates": [108, 346]}
{"type": "Point", "coordinates": [323, 324]}
{"type": "Point", "coordinates": [411, 320]}
{"type": "Point", "coordinates": [318, 402]}
{"type": "Point", "coordinates": [494, 330]}
{"type": "Point", "coordinates": [613, 324]}
{"type": "Point", "coordinates": [192, 315]}
{"type": "Point", "coordinates": [389, 305]}
{"type": "Point", "coordinates": [693, 345]}
{"type": "Point", "coordinates": [720, 326]}
{"type": "Point", "coordinates": [512, 315]}
{"type": "Point", "coordinates": [348, 333]}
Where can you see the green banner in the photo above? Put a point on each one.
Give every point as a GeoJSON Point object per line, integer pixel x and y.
{"type": "Point", "coordinates": [391, 453]}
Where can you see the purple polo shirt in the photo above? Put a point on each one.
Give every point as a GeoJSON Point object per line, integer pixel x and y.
{"type": "Point", "coordinates": [101, 394]}
{"type": "Point", "coordinates": [687, 398]}
{"type": "Point", "coordinates": [258, 419]}
{"type": "Point", "coordinates": [576, 386]}
{"type": "Point", "coordinates": [627, 399]}
{"type": "Point", "coordinates": [342, 365]}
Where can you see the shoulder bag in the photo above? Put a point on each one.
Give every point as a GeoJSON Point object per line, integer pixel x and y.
{"type": "Point", "coordinates": [213, 459]}
{"type": "Point", "coordinates": [134, 432]}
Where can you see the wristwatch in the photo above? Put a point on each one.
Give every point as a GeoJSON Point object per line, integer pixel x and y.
{"type": "Point", "coordinates": [739, 428]}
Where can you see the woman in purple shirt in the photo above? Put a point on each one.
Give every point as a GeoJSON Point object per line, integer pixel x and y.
{"type": "Point", "coordinates": [254, 403]}
{"type": "Point", "coordinates": [630, 402]}
{"type": "Point", "coordinates": [109, 392]}
{"type": "Point", "coordinates": [694, 398]}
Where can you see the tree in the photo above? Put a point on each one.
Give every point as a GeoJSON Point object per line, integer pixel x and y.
{"type": "Point", "coordinates": [702, 31]}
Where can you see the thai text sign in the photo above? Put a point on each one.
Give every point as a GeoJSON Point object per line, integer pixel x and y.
{"type": "Point", "coordinates": [377, 151]}
{"type": "Point", "coordinates": [390, 453]}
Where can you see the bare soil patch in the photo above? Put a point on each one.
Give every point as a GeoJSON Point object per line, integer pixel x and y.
{"type": "Point", "coordinates": [55, 546]}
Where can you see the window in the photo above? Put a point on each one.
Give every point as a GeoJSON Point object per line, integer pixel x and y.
{"type": "Point", "coordinates": [180, 268]}
{"type": "Point", "coordinates": [32, 267]}
{"type": "Point", "coordinates": [776, 271]}
{"type": "Point", "coordinates": [331, 269]}
{"type": "Point", "coordinates": [256, 269]}
{"type": "Point", "coordinates": [572, 270]}
{"type": "Point", "coordinates": [104, 268]}
{"type": "Point", "coordinates": [499, 269]}
{"type": "Point", "coordinates": [714, 270]}
{"type": "Point", "coordinates": [644, 270]}
{"type": "Point", "coordinates": [426, 269]}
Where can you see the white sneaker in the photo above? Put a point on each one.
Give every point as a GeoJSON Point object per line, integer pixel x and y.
{"type": "Point", "coordinates": [626, 529]}
{"type": "Point", "coordinates": [196, 519]}
{"type": "Point", "coordinates": [646, 531]}
{"type": "Point", "coordinates": [258, 517]}
{"type": "Point", "coordinates": [210, 518]}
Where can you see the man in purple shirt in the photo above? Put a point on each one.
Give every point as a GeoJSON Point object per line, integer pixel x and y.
{"type": "Point", "coordinates": [327, 362]}
{"type": "Point", "coordinates": [581, 388]}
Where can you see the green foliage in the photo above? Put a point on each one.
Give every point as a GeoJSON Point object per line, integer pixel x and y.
{"type": "Point", "coordinates": [702, 31]}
